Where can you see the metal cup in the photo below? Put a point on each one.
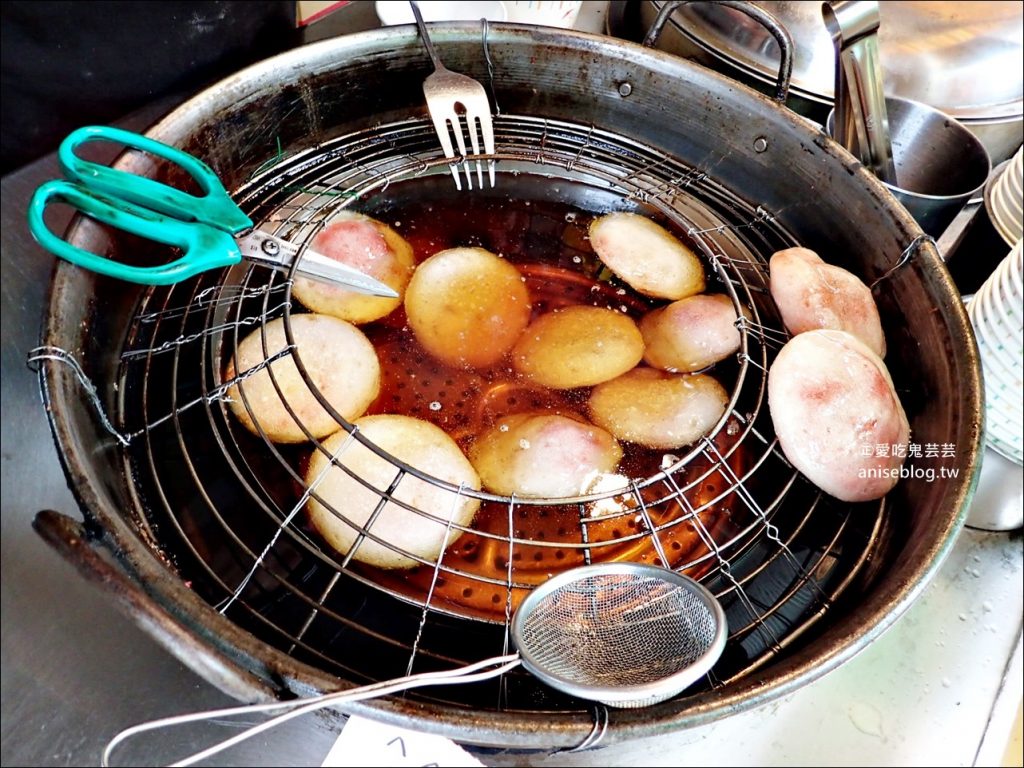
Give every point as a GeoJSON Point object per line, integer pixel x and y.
{"type": "Point", "coordinates": [940, 164]}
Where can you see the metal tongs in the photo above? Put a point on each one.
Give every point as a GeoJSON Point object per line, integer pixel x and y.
{"type": "Point", "coordinates": [861, 121]}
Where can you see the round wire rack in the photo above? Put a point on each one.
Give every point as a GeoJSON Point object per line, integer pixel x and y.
{"type": "Point", "coordinates": [226, 507]}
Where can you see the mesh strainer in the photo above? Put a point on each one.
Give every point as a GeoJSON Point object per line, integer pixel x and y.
{"type": "Point", "coordinates": [624, 634]}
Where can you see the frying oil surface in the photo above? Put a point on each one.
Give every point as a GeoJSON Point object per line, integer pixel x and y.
{"type": "Point", "coordinates": [547, 241]}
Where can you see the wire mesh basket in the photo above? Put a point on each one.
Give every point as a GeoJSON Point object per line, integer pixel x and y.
{"type": "Point", "coordinates": [228, 507]}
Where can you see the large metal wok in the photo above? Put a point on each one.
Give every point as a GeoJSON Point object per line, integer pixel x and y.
{"type": "Point", "coordinates": [616, 121]}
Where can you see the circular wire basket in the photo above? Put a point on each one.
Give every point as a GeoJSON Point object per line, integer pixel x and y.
{"type": "Point", "coordinates": [227, 507]}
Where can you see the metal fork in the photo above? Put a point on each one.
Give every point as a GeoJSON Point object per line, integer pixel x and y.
{"type": "Point", "coordinates": [445, 90]}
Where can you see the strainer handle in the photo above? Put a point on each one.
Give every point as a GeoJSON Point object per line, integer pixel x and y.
{"type": "Point", "coordinates": [481, 670]}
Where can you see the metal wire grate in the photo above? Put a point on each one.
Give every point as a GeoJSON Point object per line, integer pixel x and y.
{"type": "Point", "coordinates": [227, 507]}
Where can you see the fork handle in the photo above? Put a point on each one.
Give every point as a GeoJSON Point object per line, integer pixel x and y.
{"type": "Point", "coordinates": [424, 36]}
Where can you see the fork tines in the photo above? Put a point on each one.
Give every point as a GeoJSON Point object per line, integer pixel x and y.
{"type": "Point", "coordinates": [445, 92]}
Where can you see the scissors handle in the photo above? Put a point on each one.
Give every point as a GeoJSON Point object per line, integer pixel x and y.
{"type": "Point", "coordinates": [205, 247]}
{"type": "Point", "coordinates": [215, 207]}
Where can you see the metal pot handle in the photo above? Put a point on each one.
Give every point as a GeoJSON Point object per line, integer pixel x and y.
{"type": "Point", "coordinates": [765, 19]}
{"type": "Point", "coordinates": [73, 541]}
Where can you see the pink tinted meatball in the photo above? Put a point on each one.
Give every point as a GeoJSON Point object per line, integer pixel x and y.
{"type": "Point", "coordinates": [690, 334]}
{"type": "Point", "coordinates": [369, 246]}
{"type": "Point", "coordinates": [833, 403]}
{"type": "Point", "coordinates": [543, 455]}
{"type": "Point", "coordinates": [340, 362]}
{"type": "Point", "coordinates": [811, 294]}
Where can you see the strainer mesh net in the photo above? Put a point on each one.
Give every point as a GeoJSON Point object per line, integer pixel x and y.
{"type": "Point", "coordinates": [617, 630]}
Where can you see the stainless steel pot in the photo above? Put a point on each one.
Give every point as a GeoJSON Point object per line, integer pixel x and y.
{"type": "Point", "coordinates": [940, 164]}
{"type": "Point", "coordinates": [760, 151]}
{"type": "Point", "coordinates": [963, 59]}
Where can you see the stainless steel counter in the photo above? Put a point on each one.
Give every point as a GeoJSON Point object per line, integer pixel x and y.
{"type": "Point", "coordinates": [74, 669]}
{"type": "Point", "coordinates": [940, 688]}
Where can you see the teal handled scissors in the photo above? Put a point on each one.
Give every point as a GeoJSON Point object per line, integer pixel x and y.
{"type": "Point", "coordinates": [210, 229]}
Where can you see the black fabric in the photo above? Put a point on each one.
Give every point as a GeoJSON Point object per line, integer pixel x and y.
{"type": "Point", "coordinates": [68, 64]}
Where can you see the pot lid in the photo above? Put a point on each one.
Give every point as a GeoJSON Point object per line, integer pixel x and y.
{"type": "Point", "coordinates": [964, 58]}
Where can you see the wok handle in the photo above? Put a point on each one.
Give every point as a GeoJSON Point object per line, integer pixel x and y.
{"type": "Point", "coordinates": [762, 17]}
{"type": "Point", "coordinates": [74, 542]}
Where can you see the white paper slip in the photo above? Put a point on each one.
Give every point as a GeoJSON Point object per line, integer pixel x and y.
{"type": "Point", "coordinates": [368, 743]}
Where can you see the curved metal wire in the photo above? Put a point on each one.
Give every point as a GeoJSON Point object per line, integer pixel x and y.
{"type": "Point", "coordinates": [226, 506]}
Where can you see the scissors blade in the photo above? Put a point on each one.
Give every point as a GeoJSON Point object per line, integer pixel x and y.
{"type": "Point", "coordinates": [280, 253]}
